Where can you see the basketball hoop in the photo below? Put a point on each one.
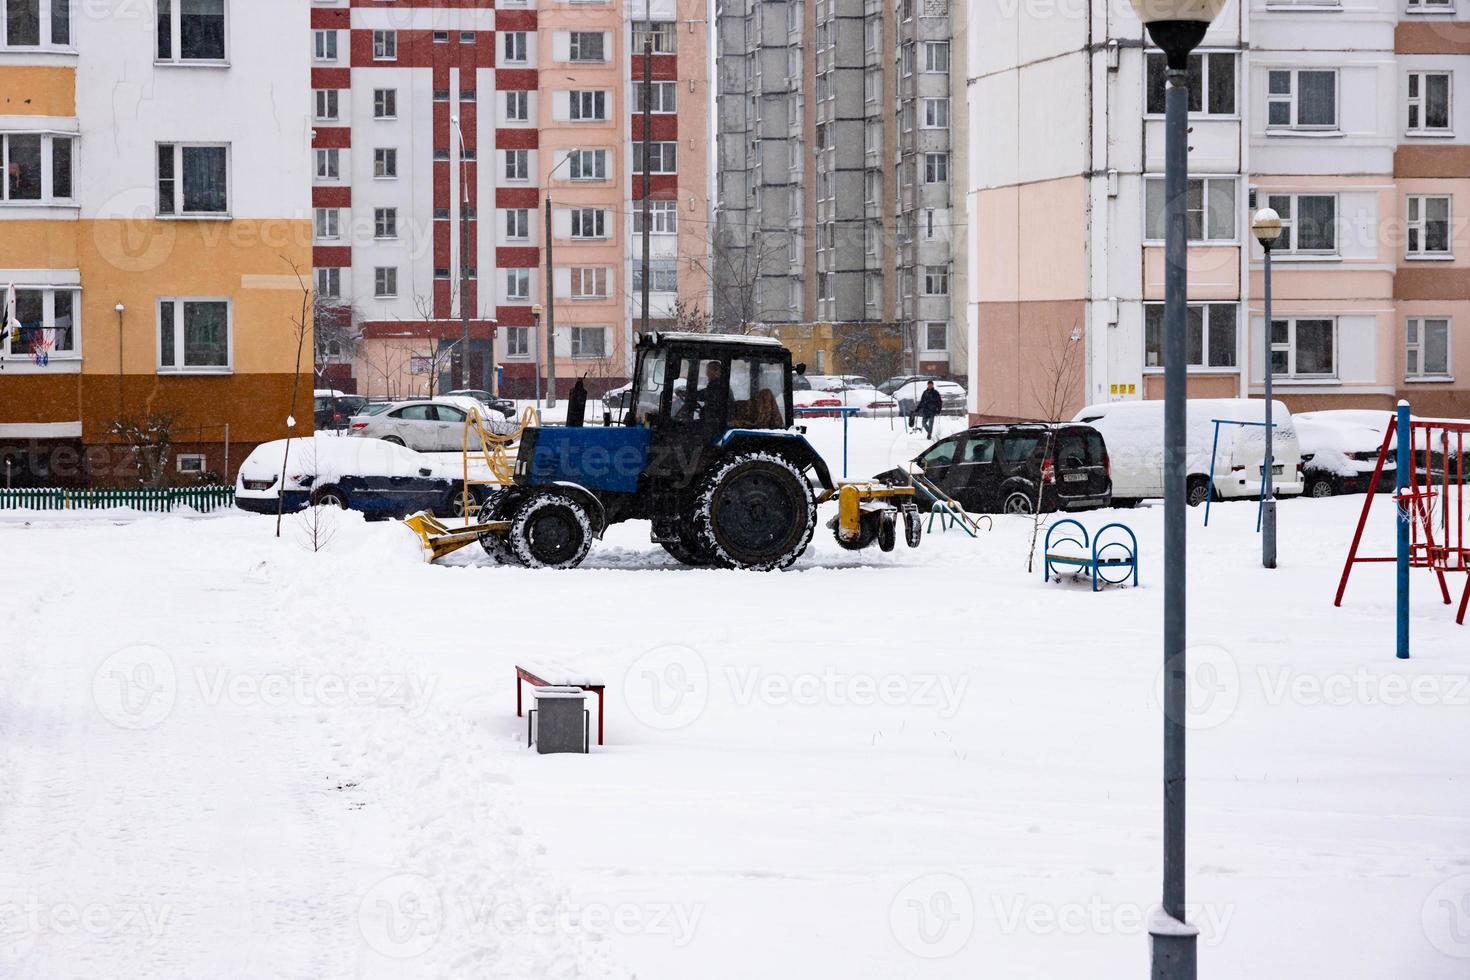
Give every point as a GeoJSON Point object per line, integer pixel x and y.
{"type": "Point", "coordinates": [42, 345]}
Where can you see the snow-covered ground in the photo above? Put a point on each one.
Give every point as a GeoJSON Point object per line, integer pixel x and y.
{"type": "Point", "coordinates": [224, 755]}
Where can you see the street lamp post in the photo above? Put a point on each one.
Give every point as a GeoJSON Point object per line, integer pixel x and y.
{"type": "Point", "coordinates": [1266, 226]}
{"type": "Point", "coordinates": [1177, 27]}
{"type": "Point", "coordinates": [550, 288]}
{"type": "Point", "coordinates": [464, 272]}
{"type": "Point", "coordinates": [536, 342]}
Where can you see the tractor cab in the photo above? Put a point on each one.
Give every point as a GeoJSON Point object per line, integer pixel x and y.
{"type": "Point", "coordinates": [710, 383]}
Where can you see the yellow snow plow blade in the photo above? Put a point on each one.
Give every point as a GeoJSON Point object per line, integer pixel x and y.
{"type": "Point", "coordinates": [440, 539]}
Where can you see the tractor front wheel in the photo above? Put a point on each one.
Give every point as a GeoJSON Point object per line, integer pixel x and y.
{"type": "Point", "coordinates": [755, 511]}
{"type": "Point", "coordinates": [550, 530]}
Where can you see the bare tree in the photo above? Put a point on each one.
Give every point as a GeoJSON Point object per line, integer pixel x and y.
{"type": "Point", "coordinates": [690, 318]}
{"type": "Point", "coordinates": [736, 274]}
{"type": "Point", "coordinates": [1056, 393]}
{"type": "Point", "coordinates": [318, 526]}
{"type": "Point", "coordinates": [301, 331]}
{"type": "Point", "coordinates": [336, 334]}
{"type": "Point", "coordinates": [440, 355]}
{"type": "Point", "coordinates": [150, 440]}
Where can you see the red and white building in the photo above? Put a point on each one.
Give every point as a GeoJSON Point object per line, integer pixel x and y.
{"type": "Point", "coordinates": [545, 95]}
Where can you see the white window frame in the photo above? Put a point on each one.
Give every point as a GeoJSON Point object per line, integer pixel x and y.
{"type": "Point", "coordinates": [1415, 221]}
{"type": "Point", "coordinates": [178, 179]}
{"type": "Point", "coordinates": [176, 37]}
{"type": "Point", "coordinates": [1420, 102]}
{"type": "Point", "coordinates": [524, 170]}
{"type": "Point", "coordinates": [385, 163]}
{"type": "Point", "coordinates": [385, 224]}
{"type": "Point", "coordinates": [1203, 366]}
{"type": "Point", "coordinates": [517, 224]}
{"type": "Point", "coordinates": [45, 41]}
{"type": "Point", "coordinates": [1286, 243]}
{"type": "Point", "coordinates": [1289, 347]}
{"type": "Point", "coordinates": [933, 109]}
{"type": "Point", "coordinates": [517, 105]}
{"type": "Point", "coordinates": [327, 165]}
{"type": "Point", "coordinates": [327, 224]}
{"type": "Point", "coordinates": [599, 221]}
{"type": "Point", "coordinates": [587, 165]}
{"type": "Point", "coordinates": [48, 196]}
{"type": "Point", "coordinates": [665, 37]}
{"type": "Point", "coordinates": [660, 150]}
{"type": "Point", "coordinates": [1155, 182]}
{"type": "Point", "coordinates": [324, 45]}
{"type": "Point", "coordinates": [515, 49]}
{"type": "Point", "coordinates": [197, 463]}
{"type": "Point", "coordinates": [1414, 345]}
{"type": "Point", "coordinates": [933, 162]}
{"type": "Point", "coordinates": [522, 348]}
{"type": "Point", "coordinates": [1154, 57]}
{"type": "Point", "coordinates": [936, 275]}
{"type": "Point", "coordinates": [48, 320]}
{"type": "Point", "coordinates": [179, 303]}
{"type": "Point", "coordinates": [328, 107]}
{"type": "Point", "coordinates": [1291, 97]}
{"type": "Point", "coordinates": [663, 217]}
{"type": "Point", "coordinates": [574, 47]}
{"type": "Point", "coordinates": [385, 282]}
{"type": "Point", "coordinates": [1430, 6]}
{"type": "Point", "coordinates": [579, 282]}
{"type": "Point", "coordinates": [385, 45]}
{"type": "Point", "coordinates": [575, 338]}
{"type": "Point", "coordinates": [587, 105]}
{"type": "Point", "coordinates": [329, 282]}
{"type": "Point", "coordinates": [665, 98]}
{"type": "Point", "coordinates": [931, 49]}
{"type": "Point", "coordinates": [928, 345]}
{"type": "Point", "coordinates": [518, 285]}
{"type": "Point", "coordinates": [385, 103]}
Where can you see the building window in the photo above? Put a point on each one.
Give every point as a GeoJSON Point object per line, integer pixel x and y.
{"type": "Point", "coordinates": [515, 47]}
{"type": "Point", "coordinates": [518, 223]}
{"type": "Point", "coordinates": [517, 105]}
{"type": "Point", "coordinates": [329, 283]}
{"type": "Point", "coordinates": [385, 282]}
{"type": "Point", "coordinates": [663, 93]}
{"type": "Point", "coordinates": [1301, 98]}
{"type": "Point", "coordinates": [589, 341]}
{"type": "Point", "coordinates": [49, 324]}
{"type": "Point", "coordinates": [193, 334]}
{"type": "Point", "coordinates": [37, 168]}
{"type": "Point", "coordinates": [192, 464]}
{"type": "Point", "coordinates": [517, 341]}
{"type": "Point", "coordinates": [1308, 223]}
{"type": "Point", "coordinates": [589, 223]}
{"type": "Point", "coordinates": [385, 45]}
{"type": "Point", "coordinates": [191, 30]}
{"type": "Point", "coordinates": [936, 113]}
{"type": "Point", "coordinates": [936, 280]}
{"type": "Point", "coordinates": [385, 103]}
{"type": "Point", "coordinates": [663, 157]}
{"type": "Point", "coordinates": [1427, 347]}
{"type": "Point", "coordinates": [1304, 347]}
{"type": "Point", "coordinates": [1211, 84]}
{"type": "Point", "coordinates": [23, 23]}
{"type": "Point", "coordinates": [936, 335]}
{"type": "Point", "coordinates": [1428, 226]}
{"type": "Point", "coordinates": [936, 56]}
{"type": "Point", "coordinates": [517, 164]}
{"type": "Point", "coordinates": [588, 165]}
{"type": "Point", "coordinates": [663, 217]}
{"type": "Point", "coordinates": [589, 283]}
{"type": "Point", "coordinates": [1210, 329]}
{"type": "Point", "coordinates": [385, 222]}
{"type": "Point", "coordinates": [517, 284]}
{"type": "Point", "coordinates": [1429, 103]}
{"type": "Point", "coordinates": [663, 276]}
{"type": "Point", "coordinates": [1209, 209]}
{"type": "Point", "coordinates": [193, 179]}
{"type": "Point", "coordinates": [328, 164]}
{"type": "Point", "coordinates": [588, 105]}
{"type": "Point", "coordinates": [1431, 6]}
{"type": "Point", "coordinates": [587, 46]}
{"type": "Point", "coordinates": [385, 162]}
{"type": "Point", "coordinates": [324, 45]}
{"type": "Point", "coordinates": [326, 105]}
{"type": "Point", "coordinates": [936, 168]}
{"type": "Point", "coordinates": [327, 223]}
{"type": "Point", "coordinates": [662, 32]}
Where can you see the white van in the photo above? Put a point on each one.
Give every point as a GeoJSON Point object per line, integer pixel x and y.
{"type": "Point", "coordinates": [1134, 432]}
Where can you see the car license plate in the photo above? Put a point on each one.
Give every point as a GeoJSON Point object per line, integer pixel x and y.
{"type": "Point", "coordinates": [1074, 477]}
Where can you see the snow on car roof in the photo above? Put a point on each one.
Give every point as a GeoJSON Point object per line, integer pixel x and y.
{"type": "Point", "coordinates": [330, 457]}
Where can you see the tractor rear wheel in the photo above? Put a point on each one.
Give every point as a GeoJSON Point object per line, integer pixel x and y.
{"type": "Point", "coordinates": [755, 511]}
{"type": "Point", "coordinates": [550, 530]}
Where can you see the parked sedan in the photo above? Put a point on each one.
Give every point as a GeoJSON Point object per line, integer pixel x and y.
{"type": "Point", "coordinates": [427, 425]}
{"type": "Point", "coordinates": [504, 406]}
{"type": "Point", "coordinates": [331, 409]}
{"type": "Point", "coordinates": [376, 478]}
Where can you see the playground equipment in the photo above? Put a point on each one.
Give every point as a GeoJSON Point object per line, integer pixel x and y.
{"type": "Point", "coordinates": [1431, 514]}
{"type": "Point", "coordinates": [1214, 454]}
{"type": "Point", "coordinates": [704, 454]}
{"type": "Point", "coordinates": [1098, 559]}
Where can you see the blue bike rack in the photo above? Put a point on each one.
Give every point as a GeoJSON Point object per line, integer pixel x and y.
{"type": "Point", "coordinates": [1099, 560]}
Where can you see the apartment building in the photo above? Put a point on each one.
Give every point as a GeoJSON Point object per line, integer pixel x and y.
{"type": "Point", "coordinates": [839, 192]}
{"type": "Point", "coordinates": [1340, 115]}
{"type": "Point", "coordinates": [448, 126]}
{"type": "Point", "coordinates": [150, 236]}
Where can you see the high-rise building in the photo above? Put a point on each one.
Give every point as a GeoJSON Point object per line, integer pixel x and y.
{"type": "Point", "coordinates": [447, 122]}
{"type": "Point", "coordinates": [153, 218]}
{"type": "Point", "coordinates": [840, 208]}
{"type": "Point", "coordinates": [1340, 115]}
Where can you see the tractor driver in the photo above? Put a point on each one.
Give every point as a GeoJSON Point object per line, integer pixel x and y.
{"type": "Point", "coordinates": [712, 396]}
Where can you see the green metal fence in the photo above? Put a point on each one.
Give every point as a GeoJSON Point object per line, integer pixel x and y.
{"type": "Point", "coordinates": [147, 499]}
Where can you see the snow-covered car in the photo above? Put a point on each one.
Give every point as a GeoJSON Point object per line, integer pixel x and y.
{"type": "Point", "coordinates": [898, 381]}
{"type": "Point", "coordinates": [951, 395]}
{"type": "Point", "coordinates": [837, 382]}
{"type": "Point", "coordinates": [504, 406]}
{"type": "Point", "coordinates": [426, 424]}
{"type": "Point", "coordinates": [1340, 451]}
{"type": "Point", "coordinates": [368, 475]}
{"type": "Point", "coordinates": [1135, 438]}
{"type": "Point", "coordinates": [616, 400]}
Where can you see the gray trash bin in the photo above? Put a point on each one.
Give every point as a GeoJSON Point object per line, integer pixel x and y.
{"type": "Point", "coordinates": [560, 720]}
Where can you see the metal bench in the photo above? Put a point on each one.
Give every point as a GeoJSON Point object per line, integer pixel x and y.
{"type": "Point", "coordinates": [1099, 560]}
{"type": "Point", "coordinates": [536, 678]}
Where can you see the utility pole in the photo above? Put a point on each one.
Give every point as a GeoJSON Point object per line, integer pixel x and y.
{"type": "Point", "coordinates": [647, 162]}
{"type": "Point", "coordinates": [464, 266]}
{"type": "Point", "coordinates": [550, 310]}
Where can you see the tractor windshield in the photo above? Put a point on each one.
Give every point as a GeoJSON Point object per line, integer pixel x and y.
{"type": "Point", "coordinates": [652, 368]}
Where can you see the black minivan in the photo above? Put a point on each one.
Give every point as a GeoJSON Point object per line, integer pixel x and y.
{"type": "Point", "coordinates": [998, 467]}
